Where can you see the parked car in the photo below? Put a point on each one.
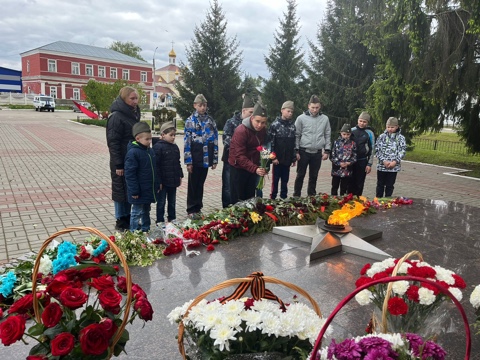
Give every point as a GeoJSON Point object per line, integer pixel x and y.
{"type": "Point", "coordinates": [83, 103]}
{"type": "Point", "coordinates": [43, 102]}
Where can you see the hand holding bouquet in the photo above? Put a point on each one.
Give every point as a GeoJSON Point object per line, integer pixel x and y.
{"type": "Point", "coordinates": [266, 156]}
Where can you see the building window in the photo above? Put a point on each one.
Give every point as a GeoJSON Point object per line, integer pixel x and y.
{"type": "Point", "coordinates": [75, 68]}
{"type": "Point", "coordinates": [28, 66]}
{"type": "Point", "coordinates": [89, 70]}
{"type": "Point", "coordinates": [53, 91]}
{"type": "Point", "coordinates": [125, 74]}
{"type": "Point", "coordinates": [76, 94]}
{"type": "Point", "coordinates": [113, 73]}
{"type": "Point", "coordinates": [52, 65]}
{"type": "Point", "coordinates": [143, 76]}
{"type": "Point", "coordinates": [101, 71]}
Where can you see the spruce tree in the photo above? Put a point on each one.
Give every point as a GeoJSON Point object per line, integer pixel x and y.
{"type": "Point", "coordinates": [212, 69]}
{"type": "Point", "coordinates": [286, 66]}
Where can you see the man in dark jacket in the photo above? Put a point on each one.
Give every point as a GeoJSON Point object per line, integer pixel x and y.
{"type": "Point", "coordinates": [244, 157]}
{"type": "Point", "coordinates": [365, 141]}
{"type": "Point", "coordinates": [140, 175]}
{"type": "Point", "coordinates": [124, 114]}
{"type": "Point", "coordinates": [281, 135]}
{"type": "Point", "coordinates": [228, 130]}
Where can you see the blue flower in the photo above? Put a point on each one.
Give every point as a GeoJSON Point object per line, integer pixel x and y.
{"type": "Point", "coordinates": [101, 248]}
{"type": "Point", "coordinates": [65, 257]}
{"type": "Point", "coordinates": [7, 283]}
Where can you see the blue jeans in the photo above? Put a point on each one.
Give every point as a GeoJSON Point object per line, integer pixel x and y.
{"type": "Point", "coordinates": [168, 193]}
{"type": "Point", "coordinates": [140, 217]}
{"type": "Point", "coordinates": [122, 209]}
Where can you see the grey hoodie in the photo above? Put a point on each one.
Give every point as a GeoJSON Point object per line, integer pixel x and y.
{"type": "Point", "coordinates": [312, 133]}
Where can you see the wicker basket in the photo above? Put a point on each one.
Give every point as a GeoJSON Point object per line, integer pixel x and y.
{"type": "Point", "coordinates": [342, 303]}
{"type": "Point", "coordinates": [114, 248]}
{"type": "Point", "coordinates": [256, 281]}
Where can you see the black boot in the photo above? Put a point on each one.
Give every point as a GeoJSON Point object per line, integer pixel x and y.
{"type": "Point", "coordinates": [119, 225]}
{"type": "Point", "coordinates": [126, 222]}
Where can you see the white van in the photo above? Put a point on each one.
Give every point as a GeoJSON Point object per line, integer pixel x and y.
{"type": "Point", "coordinates": [43, 102]}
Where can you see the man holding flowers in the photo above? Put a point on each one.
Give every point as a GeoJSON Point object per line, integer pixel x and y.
{"type": "Point", "coordinates": [244, 158]}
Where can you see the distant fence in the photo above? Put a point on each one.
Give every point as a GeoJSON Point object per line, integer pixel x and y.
{"type": "Point", "coordinates": [7, 98]}
{"type": "Point", "coordinates": [452, 147]}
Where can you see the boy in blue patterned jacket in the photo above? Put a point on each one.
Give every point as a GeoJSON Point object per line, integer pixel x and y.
{"type": "Point", "coordinates": [390, 150]}
{"type": "Point", "coordinates": [342, 156]}
{"type": "Point", "coordinates": [200, 153]}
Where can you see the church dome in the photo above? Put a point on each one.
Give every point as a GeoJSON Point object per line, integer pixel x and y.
{"type": "Point", "coordinates": [172, 53]}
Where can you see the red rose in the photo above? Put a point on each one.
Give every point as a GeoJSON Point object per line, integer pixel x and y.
{"type": "Point", "coordinates": [397, 306]}
{"type": "Point", "coordinates": [144, 309]}
{"type": "Point", "coordinates": [109, 327]}
{"type": "Point", "coordinates": [52, 314]}
{"type": "Point", "coordinates": [110, 300]}
{"type": "Point", "coordinates": [103, 282]}
{"type": "Point", "coordinates": [116, 268]}
{"type": "Point", "coordinates": [210, 247]}
{"type": "Point", "coordinates": [259, 148]}
{"type": "Point", "coordinates": [56, 287]}
{"type": "Point", "coordinates": [37, 357]}
{"type": "Point", "coordinates": [138, 292]}
{"type": "Point", "coordinates": [1, 313]}
{"type": "Point", "coordinates": [90, 272]}
{"type": "Point", "coordinates": [412, 293]}
{"type": "Point", "coordinates": [12, 329]}
{"type": "Point", "coordinates": [62, 344]}
{"type": "Point", "coordinates": [93, 339]}
{"type": "Point", "coordinates": [24, 305]}
{"type": "Point", "coordinates": [122, 284]}
{"type": "Point", "coordinates": [67, 274]}
{"type": "Point", "coordinates": [73, 298]}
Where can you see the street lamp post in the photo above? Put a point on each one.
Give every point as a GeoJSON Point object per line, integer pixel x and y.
{"type": "Point", "coordinates": [154, 90]}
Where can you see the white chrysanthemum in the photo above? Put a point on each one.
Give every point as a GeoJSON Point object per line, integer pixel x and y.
{"type": "Point", "coordinates": [395, 339]}
{"type": "Point", "coordinates": [233, 320]}
{"type": "Point", "coordinates": [89, 249]}
{"type": "Point", "coordinates": [426, 296]}
{"type": "Point", "coordinates": [266, 306]}
{"type": "Point", "coordinates": [364, 297]}
{"type": "Point", "coordinates": [400, 287]}
{"type": "Point", "coordinates": [271, 324]}
{"type": "Point", "coordinates": [456, 292]}
{"type": "Point", "coordinates": [444, 275]}
{"type": "Point", "coordinates": [233, 307]}
{"type": "Point", "coordinates": [475, 297]}
{"type": "Point", "coordinates": [252, 319]}
{"type": "Point", "coordinates": [45, 265]}
{"type": "Point", "coordinates": [222, 334]}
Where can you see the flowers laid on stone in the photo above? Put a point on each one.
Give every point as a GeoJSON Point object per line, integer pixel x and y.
{"type": "Point", "coordinates": [247, 326]}
{"type": "Point", "coordinates": [82, 307]}
{"type": "Point", "coordinates": [382, 346]}
{"type": "Point", "coordinates": [411, 303]}
{"type": "Point", "coordinates": [475, 301]}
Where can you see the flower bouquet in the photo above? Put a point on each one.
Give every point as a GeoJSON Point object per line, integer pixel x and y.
{"type": "Point", "coordinates": [247, 328]}
{"type": "Point", "coordinates": [475, 301]}
{"type": "Point", "coordinates": [407, 306]}
{"type": "Point", "coordinates": [265, 157]}
{"type": "Point", "coordinates": [77, 311]}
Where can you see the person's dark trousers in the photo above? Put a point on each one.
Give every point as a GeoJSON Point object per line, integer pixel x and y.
{"type": "Point", "coordinates": [280, 173]}
{"type": "Point", "coordinates": [343, 182]}
{"type": "Point", "coordinates": [196, 181]}
{"type": "Point", "coordinates": [259, 192]}
{"type": "Point", "coordinates": [168, 193]}
{"type": "Point", "coordinates": [226, 185]}
{"type": "Point", "coordinates": [357, 180]}
{"type": "Point", "coordinates": [242, 184]}
{"type": "Point", "coordinates": [313, 161]}
{"type": "Point", "coordinates": [385, 182]}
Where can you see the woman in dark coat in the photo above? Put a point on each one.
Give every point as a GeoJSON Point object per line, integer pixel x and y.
{"type": "Point", "coordinates": [124, 114]}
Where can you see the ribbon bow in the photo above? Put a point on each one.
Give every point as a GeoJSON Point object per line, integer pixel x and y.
{"type": "Point", "coordinates": [257, 288]}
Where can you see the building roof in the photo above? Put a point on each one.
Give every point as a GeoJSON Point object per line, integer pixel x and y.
{"type": "Point", "coordinates": [169, 67]}
{"type": "Point", "coordinates": [87, 50]}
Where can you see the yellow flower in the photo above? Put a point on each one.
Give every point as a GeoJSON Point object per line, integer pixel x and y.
{"type": "Point", "coordinates": [255, 217]}
{"type": "Point", "coordinates": [227, 220]}
{"type": "Point", "coordinates": [300, 216]}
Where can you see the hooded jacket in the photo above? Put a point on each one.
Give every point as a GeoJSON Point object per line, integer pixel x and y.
{"type": "Point", "coordinates": [313, 132]}
{"type": "Point", "coordinates": [365, 140]}
{"type": "Point", "coordinates": [119, 134]}
{"type": "Point", "coordinates": [140, 174]}
{"type": "Point", "coordinates": [243, 147]}
{"type": "Point", "coordinates": [281, 135]}
{"type": "Point", "coordinates": [390, 147]}
{"type": "Point", "coordinates": [169, 169]}
{"type": "Point", "coordinates": [344, 150]}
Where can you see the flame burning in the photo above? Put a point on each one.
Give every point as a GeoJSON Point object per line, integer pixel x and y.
{"type": "Point", "coordinates": [347, 212]}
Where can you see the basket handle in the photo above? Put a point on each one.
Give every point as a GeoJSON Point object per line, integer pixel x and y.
{"type": "Point", "coordinates": [232, 282]}
{"type": "Point", "coordinates": [388, 293]}
{"type": "Point", "coordinates": [113, 247]}
{"type": "Point", "coordinates": [350, 296]}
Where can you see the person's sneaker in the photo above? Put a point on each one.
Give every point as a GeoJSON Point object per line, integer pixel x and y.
{"type": "Point", "coordinates": [195, 216]}
{"type": "Point", "coordinates": [120, 225]}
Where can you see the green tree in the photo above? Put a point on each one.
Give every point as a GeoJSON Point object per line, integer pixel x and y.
{"type": "Point", "coordinates": [213, 69]}
{"type": "Point", "coordinates": [101, 95]}
{"type": "Point", "coordinates": [340, 68]}
{"type": "Point", "coordinates": [286, 66]}
{"type": "Point", "coordinates": [127, 48]}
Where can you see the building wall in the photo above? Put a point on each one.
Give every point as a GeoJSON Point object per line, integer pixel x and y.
{"type": "Point", "coordinates": [10, 80]}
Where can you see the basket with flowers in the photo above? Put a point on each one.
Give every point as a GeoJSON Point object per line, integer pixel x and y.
{"type": "Point", "coordinates": [76, 311]}
{"type": "Point", "coordinates": [247, 328]}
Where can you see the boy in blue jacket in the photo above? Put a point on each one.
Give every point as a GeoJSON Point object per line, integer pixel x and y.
{"type": "Point", "coordinates": [140, 176]}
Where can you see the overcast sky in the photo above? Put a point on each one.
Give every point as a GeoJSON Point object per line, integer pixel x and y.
{"type": "Point", "coordinates": [29, 24]}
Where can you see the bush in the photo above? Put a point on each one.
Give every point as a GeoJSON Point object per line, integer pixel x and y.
{"type": "Point", "coordinates": [102, 122]}
{"type": "Point", "coordinates": [20, 107]}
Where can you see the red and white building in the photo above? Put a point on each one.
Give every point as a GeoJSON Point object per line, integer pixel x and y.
{"type": "Point", "coordinates": [61, 69]}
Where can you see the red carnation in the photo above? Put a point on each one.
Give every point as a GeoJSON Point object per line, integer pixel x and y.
{"type": "Point", "coordinates": [144, 309]}
{"type": "Point", "coordinates": [435, 290]}
{"type": "Point", "coordinates": [459, 282]}
{"type": "Point", "coordinates": [365, 268]}
{"type": "Point", "coordinates": [110, 300]}
{"type": "Point", "coordinates": [52, 314]}
{"type": "Point", "coordinates": [412, 293]}
{"type": "Point", "coordinates": [210, 247]}
{"type": "Point", "coordinates": [12, 329]}
{"type": "Point", "coordinates": [422, 271]}
{"type": "Point", "coordinates": [380, 275]}
{"type": "Point", "coordinates": [362, 281]}
{"type": "Point", "coordinates": [62, 344]}
{"type": "Point", "coordinates": [93, 339]}
{"type": "Point", "coordinates": [103, 282]}
{"type": "Point", "coordinates": [73, 298]}
{"type": "Point", "coordinates": [397, 306]}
